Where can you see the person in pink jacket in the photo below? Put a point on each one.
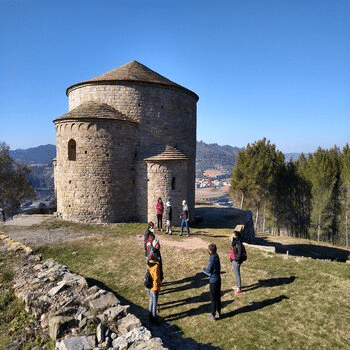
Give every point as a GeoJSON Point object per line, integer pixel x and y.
{"type": "Point", "coordinates": [160, 211]}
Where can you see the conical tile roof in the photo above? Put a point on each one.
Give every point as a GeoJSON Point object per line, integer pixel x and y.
{"type": "Point", "coordinates": [133, 72]}
{"type": "Point", "coordinates": [95, 110]}
{"type": "Point", "coordinates": [170, 153]}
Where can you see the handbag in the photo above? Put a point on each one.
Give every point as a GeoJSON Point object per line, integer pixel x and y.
{"type": "Point", "coordinates": [148, 280]}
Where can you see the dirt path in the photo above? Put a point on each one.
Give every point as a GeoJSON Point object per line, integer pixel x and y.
{"type": "Point", "coordinates": [37, 237]}
{"type": "Point", "coordinates": [27, 220]}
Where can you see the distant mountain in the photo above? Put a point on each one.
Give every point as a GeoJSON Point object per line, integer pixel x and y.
{"type": "Point", "coordinates": [211, 156]}
{"type": "Point", "coordinates": [37, 155]}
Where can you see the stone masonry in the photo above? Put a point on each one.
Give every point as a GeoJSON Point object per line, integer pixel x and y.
{"type": "Point", "coordinates": [129, 137]}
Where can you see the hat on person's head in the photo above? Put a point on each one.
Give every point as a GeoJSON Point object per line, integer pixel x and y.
{"type": "Point", "coordinates": [184, 202]}
{"type": "Point", "coordinates": [167, 204]}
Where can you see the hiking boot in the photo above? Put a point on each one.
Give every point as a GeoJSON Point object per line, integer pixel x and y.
{"type": "Point", "coordinates": [217, 316]}
{"type": "Point", "coordinates": [211, 318]}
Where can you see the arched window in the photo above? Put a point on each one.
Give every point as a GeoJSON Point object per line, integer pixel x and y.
{"type": "Point", "coordinates": [72, 150]}
{"type": "Point", "coordinates": [173, 183]}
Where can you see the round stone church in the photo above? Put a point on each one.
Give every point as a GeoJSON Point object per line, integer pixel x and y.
{"type": "Point", "coordinates": [128, 138]}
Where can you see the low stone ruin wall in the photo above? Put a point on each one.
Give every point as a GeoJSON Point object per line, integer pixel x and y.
{"type": "Point", "coordinates": [74, 315]}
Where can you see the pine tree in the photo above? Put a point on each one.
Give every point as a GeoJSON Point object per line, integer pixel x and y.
{"type": "Point", "coordinates": [322, 170]}
{"type": "Point", "coordinates": [345, 190]}
{"type": "Point", "coordinates": [254, 177]}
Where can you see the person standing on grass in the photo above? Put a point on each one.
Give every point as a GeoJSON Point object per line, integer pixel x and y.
{"type": "Point", "coordinates": [185, 216]}
{"type": "Point", "coordinates": [154, 270]}
{"type": "Point", "coordinates": [149, 246]}
{"type": "Point", "coordinates": [160, 211]}
{"type": "Point", "coordinates": [150, 229]}
{"type": "Point", "coordinates": [235, 258]}
{"type": "Point", "coordinates": [169, 218]}
{"type": "Point", "coordinates": [157, 256]}
{"type": "Point", "coordinates": [213, 271]}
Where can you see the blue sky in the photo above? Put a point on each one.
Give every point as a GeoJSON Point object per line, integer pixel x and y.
{"type": "Point", "coordinates": [274, 69]}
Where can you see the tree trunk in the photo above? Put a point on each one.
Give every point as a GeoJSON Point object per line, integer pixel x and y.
{"type": "Point", "coordinates": [256, 220]}
{"type": "Point", "coordinates": [264, 217]}
{"type": "Point", "coordinates": [242, 200]}
{"type": "Point", "coordinates": [346, 229]}
{"type": "Point", "coordinates": [319, 228]}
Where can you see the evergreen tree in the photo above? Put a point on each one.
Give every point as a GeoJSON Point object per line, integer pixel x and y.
{"type": "Point", "coordinates": [254, 177]}
{"type": "Point", "coordinates": [345, 192]}
{"type": "Point", "coordinates": [291, 204]}
{"type": "Point", "coordinates": [323, 170]}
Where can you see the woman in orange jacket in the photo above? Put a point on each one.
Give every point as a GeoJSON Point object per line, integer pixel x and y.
{"type": "Point", "coordinates": [154, 270]}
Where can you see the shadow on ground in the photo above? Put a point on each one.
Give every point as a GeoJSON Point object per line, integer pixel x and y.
{"type": "Point", "coordinates": [271, 282]}
{"type": "Point", "coordinates": [254, 306]}
{"type": "Point", "coordinates": [216, 217]}
{"type": "Point", "coordinates": [172, 336]}
{"type": "Point", "coordinates": [310, 250]}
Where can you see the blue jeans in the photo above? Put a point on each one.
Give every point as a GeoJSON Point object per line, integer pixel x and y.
{"type": "Point", "coordinates": [237, 270]}
{"type": "Point", "coordinates": [184, 222]}
{"type": "Point", "coordinates": [153, 302]}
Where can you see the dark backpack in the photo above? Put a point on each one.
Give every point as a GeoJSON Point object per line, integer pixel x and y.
{"type": "Point", "coordinates": [147, 280]}
{"type": "Point", "coordinates": [243, 254]}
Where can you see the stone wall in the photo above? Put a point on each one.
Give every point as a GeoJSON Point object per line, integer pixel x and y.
{"type": "Point", "coordinates": [99, 183]}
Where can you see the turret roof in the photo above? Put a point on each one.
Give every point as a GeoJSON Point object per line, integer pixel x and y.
{"type": "Point", "coordinates": [170, 153]}
{"type": "Point", "coordinates": [95, 110]}
{"type": "Point", "coordinates": [133, 72]}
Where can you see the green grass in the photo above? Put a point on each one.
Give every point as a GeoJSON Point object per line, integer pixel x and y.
{"type": "Point", "coordinates": [286, 304]}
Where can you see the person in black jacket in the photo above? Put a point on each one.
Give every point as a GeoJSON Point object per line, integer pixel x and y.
{"type": "Point", "coordinates": [235, 258]}
{"type": "Point", "coordinates": [213, 271]}
{"type": "Point", "coordinates": [185, 217]}
{"type": "Point", "coordinates": [150, 229]}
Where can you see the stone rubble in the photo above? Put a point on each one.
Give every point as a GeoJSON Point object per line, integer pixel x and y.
{"type": "Point", "coordinates": [75, 316]}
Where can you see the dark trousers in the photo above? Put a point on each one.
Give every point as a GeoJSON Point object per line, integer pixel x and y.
{"type": "Point", "coordinates": [215, 297]}
{"type": "Point", "coordinates": [160, 221]}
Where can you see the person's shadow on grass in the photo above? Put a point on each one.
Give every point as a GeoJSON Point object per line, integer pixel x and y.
{"type": "Point", "coordinates": [204, 297]}
{"type": "Point", "coordinates": [254, 306]}
{"type": "Point", "coordinates": [196, 281]}
{"type": "Point", "coordinates": [204, 308]}
{"type": "Point", "coordinates": [271, 282]}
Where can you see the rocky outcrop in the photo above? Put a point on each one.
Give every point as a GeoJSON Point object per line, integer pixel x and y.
{"type": "Point", "coordinates": [75, 315]}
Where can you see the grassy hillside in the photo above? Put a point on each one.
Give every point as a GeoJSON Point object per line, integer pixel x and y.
{"type": "Point", "coordinates": [288, 302]}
